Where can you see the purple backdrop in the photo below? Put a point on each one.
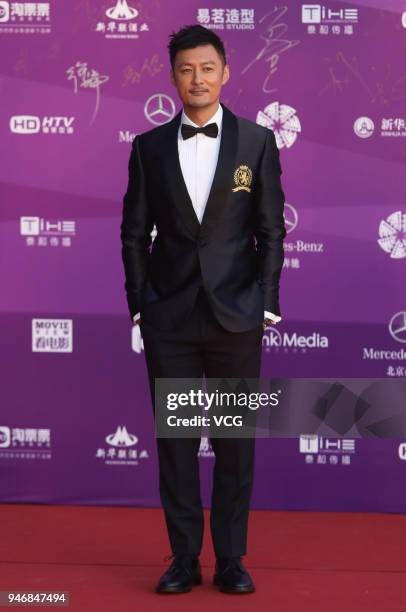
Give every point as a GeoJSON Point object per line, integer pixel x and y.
{"type": "Point", "coordinates": [78, 80]}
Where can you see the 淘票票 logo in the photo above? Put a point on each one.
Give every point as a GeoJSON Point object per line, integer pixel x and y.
{"type": "Point", "coordinates": [4, 11]}
{"type": "Point", "coordinates": [4, 437]}
{"type": "Point", "coordinates": [25, 17]}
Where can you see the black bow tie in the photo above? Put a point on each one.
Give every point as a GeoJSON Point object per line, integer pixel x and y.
{"type": "Point", "coordinates": [210, 130]}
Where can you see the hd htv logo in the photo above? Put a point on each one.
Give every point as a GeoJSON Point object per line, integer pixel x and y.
{"type": "Point", "coordinates": [31, 124]}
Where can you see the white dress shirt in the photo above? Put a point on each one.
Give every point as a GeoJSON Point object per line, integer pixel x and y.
{"type": "Point", "coordinates": [198, 157]}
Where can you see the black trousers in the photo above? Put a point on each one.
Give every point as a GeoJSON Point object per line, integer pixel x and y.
{"type": "Point", "coordinates": [202, 346]}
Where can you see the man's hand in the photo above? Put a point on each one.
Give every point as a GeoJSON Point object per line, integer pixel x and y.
{"type": "Point", "coordinates": [267, 322]}
{"type": "Point", "coordinates": [137, 319]}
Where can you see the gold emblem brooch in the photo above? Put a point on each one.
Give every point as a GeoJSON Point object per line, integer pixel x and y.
{"type": "Point", "coordinates": [243, 179]}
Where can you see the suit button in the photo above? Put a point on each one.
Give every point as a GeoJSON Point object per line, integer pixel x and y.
{"type": "Point", "coordinates": [202, 242]}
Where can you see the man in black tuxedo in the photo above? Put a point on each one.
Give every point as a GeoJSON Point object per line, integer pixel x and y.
{"type": "Point", "coordinates": [205, 289]}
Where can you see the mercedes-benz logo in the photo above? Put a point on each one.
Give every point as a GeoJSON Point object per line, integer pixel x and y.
{"type": "Point", "coordinates": [291, 217]}
{"type": "Point", "coordinates": [159, 109]}
{"type": "Point", "coordinates": [397, 326]}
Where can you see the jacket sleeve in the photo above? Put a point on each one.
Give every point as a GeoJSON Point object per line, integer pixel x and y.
{"type": "Point", "coordinates": [270, 223]}
{"type": "Point", "coordinates": [136, 227]}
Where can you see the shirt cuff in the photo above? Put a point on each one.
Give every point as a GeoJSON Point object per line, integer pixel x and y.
{"type": "Point", "coordinates": [270, 315]}
{"type": "Point", "coordinates": [136, 316]}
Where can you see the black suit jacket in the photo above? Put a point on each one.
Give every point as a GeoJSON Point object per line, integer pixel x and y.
{"type": "Point", "coordinates": [236, 253]}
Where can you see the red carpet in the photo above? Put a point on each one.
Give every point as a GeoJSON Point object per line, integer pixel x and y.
{"type": "Point", "coordinates": [109, 559]}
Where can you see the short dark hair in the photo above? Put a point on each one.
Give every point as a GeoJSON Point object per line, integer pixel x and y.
{"type": "Point", "coordinates": [192, 36]}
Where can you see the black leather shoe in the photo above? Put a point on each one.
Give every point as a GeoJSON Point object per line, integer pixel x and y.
{"type": "Point", "coordinates": [232, 577]}
{"type": "Point", "coordinates": [183, 573]}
